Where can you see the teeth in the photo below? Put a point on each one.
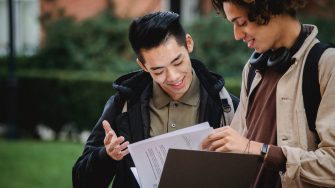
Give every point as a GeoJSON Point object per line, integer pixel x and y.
{"type": "Point", "coordinates": [177, 84]}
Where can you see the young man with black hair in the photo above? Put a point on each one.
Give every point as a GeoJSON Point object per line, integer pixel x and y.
{"type": "Point", "coordinates": [271, 119]}
{"type": "Point", "coordinates": [169, 93]}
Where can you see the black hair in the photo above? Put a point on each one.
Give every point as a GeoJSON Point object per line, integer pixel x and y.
{"type": "Point", "coordinates": [260, 11]}
{"type": "Point", "coordinates": [154, 29]}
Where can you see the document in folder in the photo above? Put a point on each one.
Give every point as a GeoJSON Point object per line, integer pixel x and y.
{"type": "Point", "coordinates": [198, 169]}
{"type": "Point", "coordinates": [149, 155]}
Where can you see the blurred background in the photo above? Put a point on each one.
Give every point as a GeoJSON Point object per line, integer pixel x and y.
{"type": "Point", "coordinates": [58, 59]}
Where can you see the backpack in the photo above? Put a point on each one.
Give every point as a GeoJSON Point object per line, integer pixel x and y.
{"type": "Point", "coordinates": [310, 83]}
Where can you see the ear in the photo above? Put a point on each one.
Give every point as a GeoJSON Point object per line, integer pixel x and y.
{"type": "Point", "coordinates": [141, 65]}
{"type": "Point", "coordinates": [189, 43]}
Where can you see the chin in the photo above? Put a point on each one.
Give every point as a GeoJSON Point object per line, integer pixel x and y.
{"type": "Point", "coordinates": [260, 51]}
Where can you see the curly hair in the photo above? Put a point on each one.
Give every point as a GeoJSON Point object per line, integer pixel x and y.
{"type": "Point", "coordinates": [260, 11]}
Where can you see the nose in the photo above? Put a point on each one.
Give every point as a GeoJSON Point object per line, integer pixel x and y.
{"type": "Point", "coordinates": [238, 33]}
{"type": "Point", "coordinates": [171, 75]}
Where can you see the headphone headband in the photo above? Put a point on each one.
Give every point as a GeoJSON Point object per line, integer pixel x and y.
{"type": "Point", "coordinates": [280, 59]}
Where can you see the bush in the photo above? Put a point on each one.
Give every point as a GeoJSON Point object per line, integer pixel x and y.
{"type": "Point", "coordinates": [215, 45]}
{"type": "Point", "coordinates": [55, 97]}
{"type": "Point", "coordinates": [55, 102]}
{"type": "Point", "coordinates": [325, 26]}
{"type": "Point", "coordinates": [99, 43]}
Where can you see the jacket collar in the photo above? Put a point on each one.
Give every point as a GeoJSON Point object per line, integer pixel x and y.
{"type": "Point", "coordinates": [313, 31]}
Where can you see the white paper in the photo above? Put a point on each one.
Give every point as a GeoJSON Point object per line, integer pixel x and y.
{"type": "Point", "coordinates": [149, 155]}
{"type": "Point", "coordinates": [134, 171]}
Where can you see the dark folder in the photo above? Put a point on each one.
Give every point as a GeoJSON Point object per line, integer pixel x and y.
{"type": "Point", "coordinates": [203, 169]}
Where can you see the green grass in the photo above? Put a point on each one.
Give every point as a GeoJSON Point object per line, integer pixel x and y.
{"type": "Point", "coordinates": [33, 164]}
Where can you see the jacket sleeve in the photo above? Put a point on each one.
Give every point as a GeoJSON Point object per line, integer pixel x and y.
{"type": "Point", "coordinates": [317, 167]}
{"type": "Point", "coordinates": [95, 168]}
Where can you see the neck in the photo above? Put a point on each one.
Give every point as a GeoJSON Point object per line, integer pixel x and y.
{"type": "Point", "coordinates": [290, 29]}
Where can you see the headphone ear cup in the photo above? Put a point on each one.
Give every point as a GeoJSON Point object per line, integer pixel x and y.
{"type": "Point", "coordinates": [279, 59]}
{"type": "Point", "coordinates": [278, 56]}
{"type": "Point", "coordinates": [259, 60]}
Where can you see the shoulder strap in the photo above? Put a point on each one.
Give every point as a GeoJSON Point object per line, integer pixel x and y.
{"type": "Point", "coordinates": [310, 84]}
{"type": "Point", "coordinates": [251, 76]}
{"type": "Point", "coordinates": [229, 104]}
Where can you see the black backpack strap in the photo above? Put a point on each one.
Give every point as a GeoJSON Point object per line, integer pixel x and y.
{"type": "Point", "coordinates": [229, 105]}
{"type": "Point", "coordinates": [310, 84]}
{"type": "Point", "coordinates": [251, 76]}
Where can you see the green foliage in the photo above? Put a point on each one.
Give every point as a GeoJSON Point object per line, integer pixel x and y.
{"type": "Point", "coordinates": [215, 45]}
{"type": "Point", "coordinates": [32, 164]}
{"type": "Point", "coordinates": [55, 98]}
{"type": "Point", "coordinates": [70, 78]}
{"type": "Point", "coordinates": [56, 101]}
{"type": "Point", "coordinates": [100, 43]}
{"type": "Point", "coordinates": [326, 27]}
{"type": "Point", "coordinates": [233, 85]}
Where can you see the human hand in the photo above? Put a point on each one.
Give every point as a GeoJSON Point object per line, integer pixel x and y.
{"type": "Point", "coordinates": [115, 146]}
{"type": "Point", "coordinates": [225, 139]}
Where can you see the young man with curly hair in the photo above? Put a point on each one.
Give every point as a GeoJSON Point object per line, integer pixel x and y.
{"type": "Point", "coordinates": [271, 119]}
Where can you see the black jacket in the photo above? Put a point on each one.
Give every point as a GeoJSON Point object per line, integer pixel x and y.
{"type": "Point", "coordinates": [95, 168]}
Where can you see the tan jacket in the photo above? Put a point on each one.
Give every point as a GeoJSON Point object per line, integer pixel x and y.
{"type": "Point", "coordinates": [308, 164]}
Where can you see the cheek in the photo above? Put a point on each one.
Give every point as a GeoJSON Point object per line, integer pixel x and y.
{"type": "Point", "coordinates": [186, 68]}
{"type": "Point", "coordinates": [252, 33]}
{"type": "Point", "coordinates": [158, 78]}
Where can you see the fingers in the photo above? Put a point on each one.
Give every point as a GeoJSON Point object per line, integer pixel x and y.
{"type": "Point", "coordinates": [218, 134]}
{"type": "Point", "coordinates": [108, 138]}
{"type": "Point", "coordinates": [107, 127]}
{"type": "Point", "coordinates": [116, 147]}
{"type": "Point", "coordinates": [205, 143]}
{"type": "Point", "coordinates": [114, 143]}
{"type": "Point", "coordinates": [119, 151]}
{"type": "Point", "coordinates": [217, 144]}
{"type": "Point", "coordinates": [221, 129]}
{"type": "Point", "coordinates": [223, 148]}
{"type": "Point", "coordinates": [222, 139]}
{"type": "Point", "coordinates": [108, 131]}
{"type": "Point", "coordinates": [124, 146]}
{"type": "Point", "coordinates": [121, 154]}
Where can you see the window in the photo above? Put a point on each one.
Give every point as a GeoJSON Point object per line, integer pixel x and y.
{"type": "Point", "coordinates": [188, 10]}
{"type": "Point", "coordinates": [26, 25]}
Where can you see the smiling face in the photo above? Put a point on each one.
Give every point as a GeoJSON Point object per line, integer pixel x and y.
{"type": "Point", "coordinates": [170, 66]}
{"type": "Point", "coordinates": [258, 37]}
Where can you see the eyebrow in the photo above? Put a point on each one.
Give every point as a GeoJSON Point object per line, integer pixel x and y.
{"type": "Point", "coordinates": [234, 19]}
{"type": "Point", "coordinates": [175, 59]}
